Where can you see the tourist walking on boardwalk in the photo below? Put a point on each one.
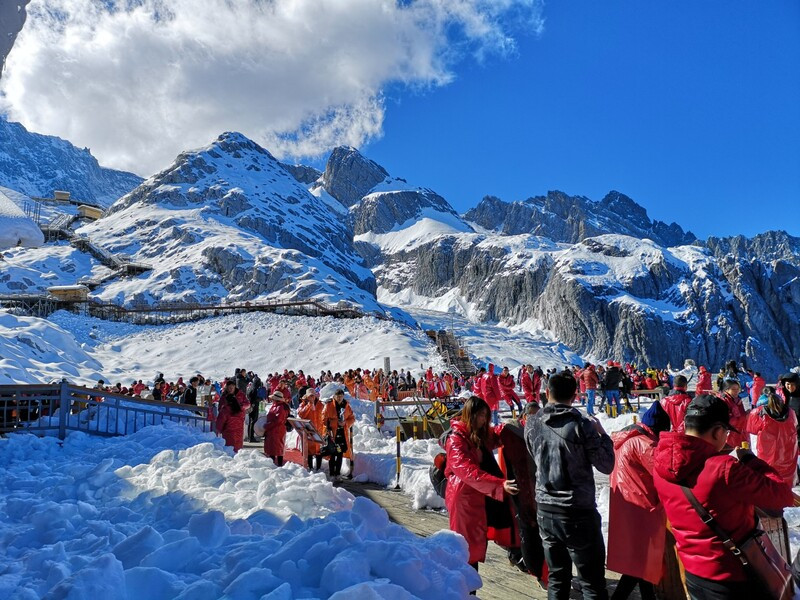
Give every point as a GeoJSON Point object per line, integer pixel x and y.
{"type": "Point", "coordinates": [473, 476]}
{"type": "Point", "coordinates": [230, 421]}
{"type": "Point", "coordinates": [275, 428]}
{"type": "Point", "coordinates": [692, 475]}
{"type": "Point", "coordinates": [636, 520]}
{"type": "Point", "coordinates": [338, 418]}
{"type": "Point", "coordinates": [566, 446]}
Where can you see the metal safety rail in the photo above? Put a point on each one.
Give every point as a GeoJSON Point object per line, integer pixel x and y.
{"type": "Point", "coordinates": [59, 408]}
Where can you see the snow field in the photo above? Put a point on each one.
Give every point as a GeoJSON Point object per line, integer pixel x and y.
{"type": "Point", "coordinates": [15, 228]}
{"type": "Point", "coordinates": [168, 512]}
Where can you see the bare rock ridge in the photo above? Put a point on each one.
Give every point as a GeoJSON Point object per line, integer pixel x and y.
{"type": "Point", "coordinates": [36, 165]}
{"type": "Point", "coordinates": [349, 175]}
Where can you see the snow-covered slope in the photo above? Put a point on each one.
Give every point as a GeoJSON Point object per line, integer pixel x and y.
{"type": "Point", "coordinates": [15, 228]}
{"type": "Point", "coordinates": [84, 349]}
{"type": "Point", "coordinates": [37, 165]}
{"type": "Point", "coordinates": [228, 221]}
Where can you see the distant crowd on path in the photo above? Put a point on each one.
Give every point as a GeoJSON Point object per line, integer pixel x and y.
{"type": "Point", "coordinates": [687, 459]}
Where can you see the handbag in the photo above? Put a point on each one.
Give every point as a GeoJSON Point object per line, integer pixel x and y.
{"type": "Point", "coordinates": [329, 449]}
{"type": "Point", "coordinates": [756, 552]}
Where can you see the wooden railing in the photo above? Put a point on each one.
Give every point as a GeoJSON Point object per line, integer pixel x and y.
{"type": "Point", "coordinates": [59, 408]}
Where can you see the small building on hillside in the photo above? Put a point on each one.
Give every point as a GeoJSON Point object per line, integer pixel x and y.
{"type": "Point", "coordinates": [61, 196]}
{"type": "Point", "coordinates": [69, 293]}
{"type": "Point", "coordinates": [89, 212]}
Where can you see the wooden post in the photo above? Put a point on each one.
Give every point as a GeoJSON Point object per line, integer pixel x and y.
{"type": "Point", "coordinates": [65, 409]}
{"type": "Point", "coordinates": [397, 481]}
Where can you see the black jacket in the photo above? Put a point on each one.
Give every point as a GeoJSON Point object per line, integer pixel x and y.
{"type": "Point", "coordinates": [565, 446]}
{"type": "Point", "coordinates": [189, 395]}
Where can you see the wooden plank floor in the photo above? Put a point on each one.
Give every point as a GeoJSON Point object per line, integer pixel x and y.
{"type": "Point", "coordinates": [501, 581]}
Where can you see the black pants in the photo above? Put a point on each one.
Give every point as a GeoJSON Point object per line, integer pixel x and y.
{"type": "Point", "coordinates": [251, 427]}
{"type": "Point", "coordinates": [336, 464]}
{"type": "Point", "coordinates": [707, 589]}
{"type": "Point", "coordinates": [278, 460]}
{"type": "Point", "coordinates": [626, 585]}
{"type": "Point", "coordinates": [569, 539]}
{"type": "Point", "coordinates": [315, 462]}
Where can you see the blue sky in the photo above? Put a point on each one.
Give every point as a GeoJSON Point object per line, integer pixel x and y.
{"type": "Point", "coordinates": [691, 108]}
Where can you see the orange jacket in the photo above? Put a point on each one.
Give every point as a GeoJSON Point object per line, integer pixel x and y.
{"type": "Point", "coordinates": [331, 423]}
{"type": "Point", "coordinates": [313, 412]}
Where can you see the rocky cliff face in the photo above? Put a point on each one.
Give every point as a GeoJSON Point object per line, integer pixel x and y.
{"type": "Point", "coordinates": [571, 219]}
{"type": "Point", "coordinates": [229, 221]}
{"type": "Point", "coordinates": [349, 176]}
{"type": "Point", "coordinates": [37, 165]}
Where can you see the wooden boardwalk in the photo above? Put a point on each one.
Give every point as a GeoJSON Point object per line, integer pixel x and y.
{"type": "Point", "coordinates": [501, 581]}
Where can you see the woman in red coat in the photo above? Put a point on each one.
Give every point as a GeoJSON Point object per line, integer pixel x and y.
{"type": "Point", "coordinates": [636, 520]}
{"type": "Point", "coordinates": [312, 408]}
{"type": "Point", "coordinates": [467, 483]}
{"type": "Point", "coordinates": [233, 405]}
{"type": "Point", "coordinates": [275, 429]}
{"type": "Point", "coordinates": [775, 426]}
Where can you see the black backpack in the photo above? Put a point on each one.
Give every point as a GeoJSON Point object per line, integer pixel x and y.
{"type": "Point", "coordinates": [436, 473]}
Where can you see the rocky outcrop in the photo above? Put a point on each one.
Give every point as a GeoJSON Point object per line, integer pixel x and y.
{"type": "Point", "coordinates": [303, 173]}
{"type": "Point", "coordinates": [772, 245]}
{"type": "Point", "coordinates": [37, 165]}
{"type": "Point", "coordinates": [381, 212]}
{"type": "Point", "coordinates": [571, 219]}
{"type": "Point", "coordinates": [349, 176]}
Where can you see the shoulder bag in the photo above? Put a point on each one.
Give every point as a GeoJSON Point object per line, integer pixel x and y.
{"type": "Point", "coordinates": [759, 557]}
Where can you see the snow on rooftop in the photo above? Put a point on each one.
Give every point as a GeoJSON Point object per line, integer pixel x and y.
{"type": "Point", "coordinates": [15, 228]}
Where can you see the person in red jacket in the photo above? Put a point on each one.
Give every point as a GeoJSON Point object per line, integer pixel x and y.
{"type": "Point", "coordinates": [728, 486]}
{"type": "Point", "coordinates": [755, 388]}
{"type": "Point", "coordinates": [490, 392]}
{"type": "Point", "coordinates": [507, 393]}
{"type": "Point", "coordinates": [775, 426]}
{"type": "Point", "coordinates": [590, 380]}
{"type": "Point", "coordinates": [275, 429]}
{"type": "Point", "coordinates": [703, 381]}
{"type": "Point", "coordinates": [676, 403]}
{"type": "Point", "coordinates": [526, 381]}
{"type": "Point", "coordinates": [738, 414]}
{"type": "Point", "coordinates": [469, 448]}
{"type": "Point", "coordinates": [233, 405]}
{"type": "Point", "coordinates": [636, 521]}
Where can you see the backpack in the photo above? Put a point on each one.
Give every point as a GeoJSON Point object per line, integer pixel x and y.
{"type": "Point", "coordinates": [262, 393]}
{"type": "Point", "coordinates": [436, 471]}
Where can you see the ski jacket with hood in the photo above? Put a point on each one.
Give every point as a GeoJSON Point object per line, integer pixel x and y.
{"type": "Point", "coordinates": [490, 389]}
{"type": "Point", "coordinates": [729, 489]}
{"type": "Point", "coordinates": [636, 521]}
{"type": "Point", "coordinates": [565, 446]}
{"type": "Point", "coordinates": [675, 406]}
{"type": "Point", "coordinates": [776, 439]}
{"type": "Point", "coordinates": [467, 484]}
{"type": "Point", "coordinates": [229, 425]}
{"type": "Point", "coordinates": [275, 428]}
{"type": "Point", "coordinates": [527, 386]}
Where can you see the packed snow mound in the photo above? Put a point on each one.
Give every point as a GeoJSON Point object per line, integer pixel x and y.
{"type": "Point", "coordinates": [263, 342]}
{"type": "Point", "coordinates": [36, 165]}
{"type": "Point", "coordinates": [169, 513]}
{"type": "Point", "coordinates": [16, 229]}
{"type": "Point", "coordinates": [228, 221]}
{"type": "Point", "coordinates": [38, 351]}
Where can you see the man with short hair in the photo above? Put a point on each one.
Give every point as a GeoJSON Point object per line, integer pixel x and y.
{"type": "Point", "coordinates": [738, 415]}
{"type": "Point", "coordinates": [190, 394]}
{"type": "Point", "coordinates": [565, 446]}
{"type": "Point", "coordinates": [692, 467]}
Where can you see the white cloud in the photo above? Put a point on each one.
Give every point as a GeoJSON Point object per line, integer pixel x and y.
{"type": "Point", "coordinates": [138, 81]}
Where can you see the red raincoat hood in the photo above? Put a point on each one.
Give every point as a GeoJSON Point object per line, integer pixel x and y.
{"type": "Point", "coordinates": [679, 457]}
{"type": "Point", "coordinates": [620, 437]}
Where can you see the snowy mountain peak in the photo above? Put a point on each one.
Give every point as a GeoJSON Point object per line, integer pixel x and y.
{"type": "Point", "coordinates": [36, 165]}
{"type": "Point", "coordinates": [228, 220]}
{"type": "Point", "coordinates": [571, 219]}
{"type": "Point", "coordinates": [349, 175]}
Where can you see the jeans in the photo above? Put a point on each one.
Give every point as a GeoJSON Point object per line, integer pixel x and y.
{"type": "Point", "coordinates": [577, 539]}
{"type": "Point", "coordinates": [613, 398]}
{"type": "Point", "coordinates": [495, 417]}
{"type": "Point", "coordinates": [590, 401]}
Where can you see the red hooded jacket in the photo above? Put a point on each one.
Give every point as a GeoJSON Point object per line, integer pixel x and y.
{"type": "Point", "coordinates": [275, 429]}
{"type": "Point", "coordinates": [636, 522]}
{"type": "Point", "coordinates": [231, 426]}
{"type": "Point", "coordinates": [490, 389]}
{"type": "Point", "coordinates": [728, 489]}
{"type": "Point", "coordinates": [590, 379]}
{"type": "Point", "coordinates": [738, 419]}
{"type": "Point", "coordinates": [703, 382]}
{"type": "Point", "coordinates": [675, 406]}
{"type": "Point", "coordinates": [776, 440]}
{"type": "Point", "coordinates": [467, 485]}
{"type": "Point", "coordinates": [527, 386]}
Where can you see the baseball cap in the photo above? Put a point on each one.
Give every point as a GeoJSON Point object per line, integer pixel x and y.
{"type": "Point", "coordinates": [710, 410]}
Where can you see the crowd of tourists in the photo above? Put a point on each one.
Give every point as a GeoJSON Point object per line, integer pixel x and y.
{"type": "Point", "coordinates": [686, 462]}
